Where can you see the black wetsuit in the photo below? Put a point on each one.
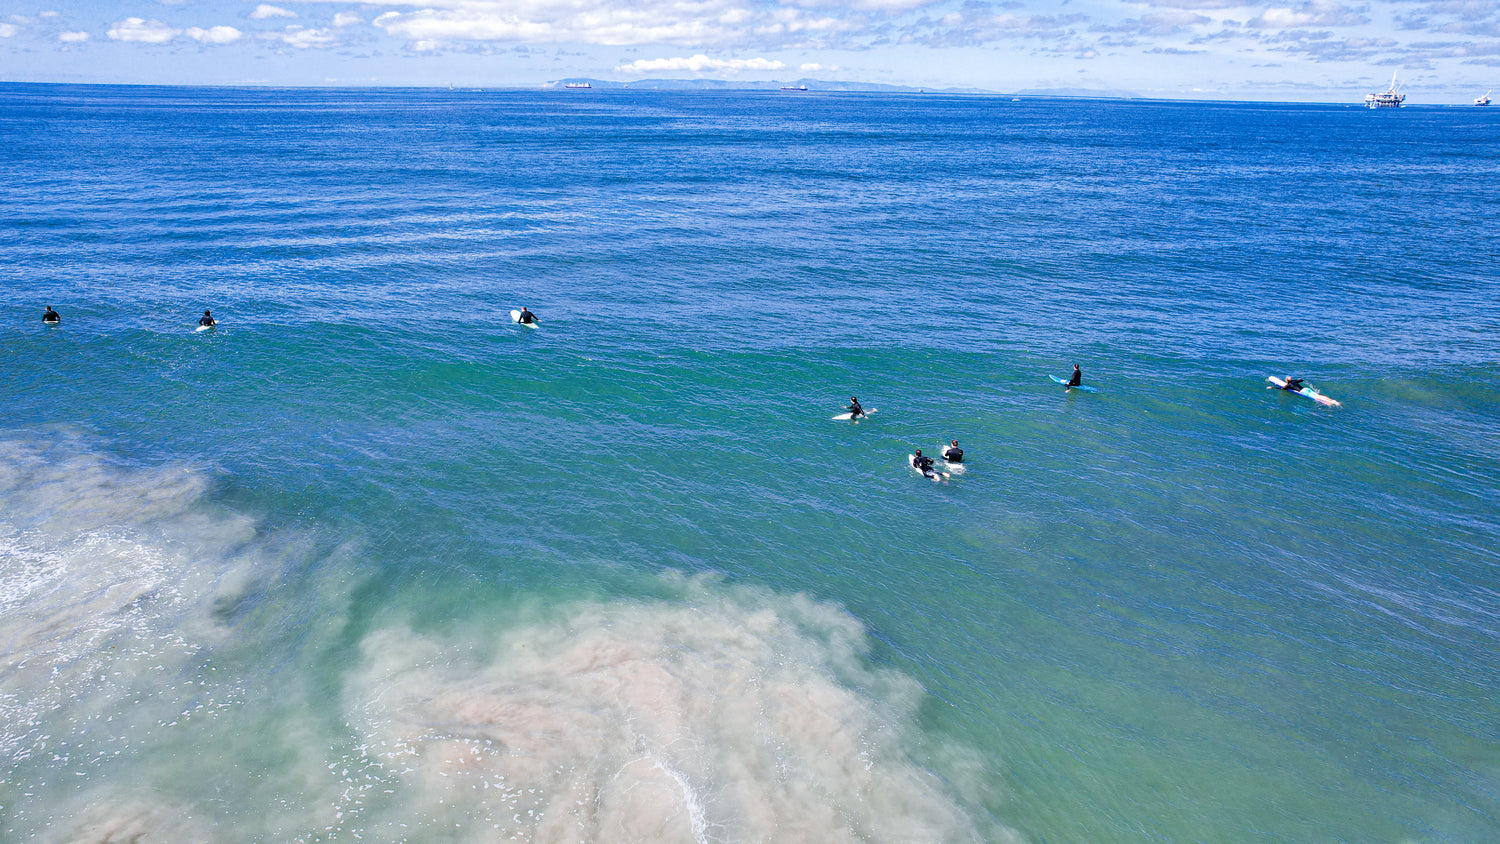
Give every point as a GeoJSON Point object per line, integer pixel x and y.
{"type": "Point", "coordinates": [51, 316]}
{"type": "Point", "coordinates": [1076, 380]}
{"type": "Point", "coordinates": [1293, 384]}
{"type": "Point", "coordinates": [206, 320]}
{"type": "Point", "coordinates": [923, 464]}
{"type": "Point", "coordinates": [954, 455]}
{"type": "Point", "coordinates": [527, 317]}
{"type": "Point", "coordinates": [855, 411]}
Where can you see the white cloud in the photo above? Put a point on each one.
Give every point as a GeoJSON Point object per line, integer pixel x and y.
{"type": "Point", "coordinates": [699, 64]}
{"type": "Point", "coordinates": [868, 5]}
{"type": "Point", "coordinates": [977, 24]}
{"type": "Point", "coordinates": [144, 31]}
{"type": "Point", "coordinates": [347, 19]}
{"type": "Point", "coordinates": [696, 24]}
{"type": "Point", "coordinates": [7, 30]}
{"type": "Point", "coordinates": [266, 11]}
{"type": "Point", "coordinates": [814, 67]}
{"type": "Point", "coordinates": [73, 37]}
{"type": "Point", "coordinates": [303, 38]}
{"type": "Point", "coordinates": [1195, 4]}
{"type": "Point", "coordinates": [1160, 24]}
{"type": "Point", "coordinates": [215, 35]}
{"type": "Point", "coordinates": [602, 24]}
{"type": "Point", "coordinates": [1313, 13]}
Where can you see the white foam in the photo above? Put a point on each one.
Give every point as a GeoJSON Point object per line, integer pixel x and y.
{"type": "Point", "coordinates": [732, 714]}
{"type": "Point", "coordinates": [108, 579]}
{"type": "Point", "coordinates": [717, 713]}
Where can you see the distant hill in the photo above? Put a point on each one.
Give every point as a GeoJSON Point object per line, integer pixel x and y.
{"type": "Point", "coordinates": [1079, 92]}
{"type": "Point", "coordinates": [761, 85]}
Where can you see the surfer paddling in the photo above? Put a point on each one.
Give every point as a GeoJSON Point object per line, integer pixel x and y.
{"type": "Point", "coordinates": [924, 465]}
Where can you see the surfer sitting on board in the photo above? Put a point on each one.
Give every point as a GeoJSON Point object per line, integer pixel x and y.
{"type": "Point", "coordinates": [855, 411]}
{"type": "Point", "coordinates": [51, 315]}
{"type": "Point", "coordinates": [1293, 384]}
{"type": "Point", "coordinates": [526, 317]}
{"type": "Point", "coordinates": [953, 454]}
{"type": "Point", "coordinates": [1077, 377]}
{"type": "Point", "coordinates": [923, 464]}
{"type": "Point", "coordinates": [207, 320]}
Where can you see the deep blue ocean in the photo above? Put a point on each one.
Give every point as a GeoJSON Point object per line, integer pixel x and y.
{"type": "Point", "coordinates": [371, 562]}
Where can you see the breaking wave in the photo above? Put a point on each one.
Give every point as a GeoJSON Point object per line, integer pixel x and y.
{"type": "Point", "coordinates": [712, 712]}
{"type": "Point", "coordinates": [730, 714]}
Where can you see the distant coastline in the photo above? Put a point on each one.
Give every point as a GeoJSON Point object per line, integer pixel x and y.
{"type": "Point", "coordinates": [815, 85]}
{"type": "Point", "coordinates": [810, 85]}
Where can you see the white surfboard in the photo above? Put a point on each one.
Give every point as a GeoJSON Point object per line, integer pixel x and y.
{"type": "Point", "coordinates": [515, 316]}
{"type": "Point", "coordinates": [205, 328]}
{"type": "Point", "coordinates": [845, 417]}
{"type": "Point", "coordinates": [1306, 392]}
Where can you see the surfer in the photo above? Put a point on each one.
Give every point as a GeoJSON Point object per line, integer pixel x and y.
{"type": "Point", "coordinates": [923, 464]}
{"type": "Point", "coordinates": [51, 316]}
{"type": "Point", "coordinates": [526, 317]}
{"type": "Point", "coordinates": [1292, 384]}
{"type": "Point", "coordinates": [207, 320]}
{"type": "Point", "coordinates": [855, 411]}
{"type": "Point", "coordinates": [953, 454]}
{"type": "Point", "coordinates": [1077, 378]}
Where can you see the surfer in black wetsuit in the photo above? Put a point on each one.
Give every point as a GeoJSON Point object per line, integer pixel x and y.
{"type": "Point", "coordinates": [207, 319]}
{"type": "Point", "coordinates": [855, 411]}
{"type": "Point", "coordinates": [953, 454]}
{"type": "Point", "coordinates": [922, 464]}
{"type": "Point", "coordinates": [526, 317]}
{"type": "Point", "coordinates": [1292, 384]}
{"type": "Point", "coordinates": [51, 316]}
{"type": "Point", "coordinates": [1077, 378]}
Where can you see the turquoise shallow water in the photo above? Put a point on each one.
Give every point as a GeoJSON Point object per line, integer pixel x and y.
{"type": "Point", "coordinates": [370, 561]}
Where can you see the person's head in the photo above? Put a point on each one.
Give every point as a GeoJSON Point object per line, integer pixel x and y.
{"type": "Point", "coordinates": [1075, 367]}
{"type": "Point", "coordinates": [205, 312]}
{"type": "Point", "coordinates": [853, 398]}
{"type": "Point", "coordinates": [955, 442]}
{"type": "Point", "coordinates": [919, 452]}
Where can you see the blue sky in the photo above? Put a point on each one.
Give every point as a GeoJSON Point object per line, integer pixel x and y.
{"type": "Point", "coordinates": [1445, 51]}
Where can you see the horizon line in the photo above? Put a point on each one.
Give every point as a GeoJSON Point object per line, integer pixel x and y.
{"type": "Point", "coordinates": [873, 88]}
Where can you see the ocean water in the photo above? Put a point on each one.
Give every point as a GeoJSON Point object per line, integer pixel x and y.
{"type": "Point", "coordinates": [371, 562]}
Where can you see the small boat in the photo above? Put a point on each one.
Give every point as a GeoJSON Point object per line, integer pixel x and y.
{"type": "Point", "coordinates": [578, 86]}
{"type": "Point", "coordinates": [794, 87]}
{"type": "Point", "coordinates": [1484, 100]}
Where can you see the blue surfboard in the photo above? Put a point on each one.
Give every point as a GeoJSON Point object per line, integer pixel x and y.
{"type": "Point", "coordinates": [1083, 387]}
